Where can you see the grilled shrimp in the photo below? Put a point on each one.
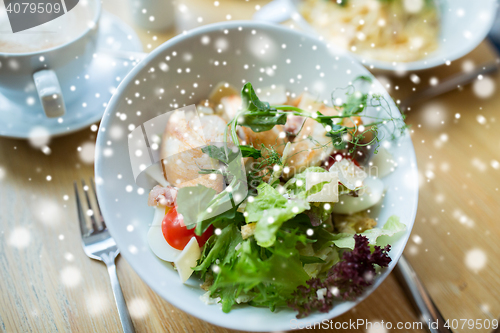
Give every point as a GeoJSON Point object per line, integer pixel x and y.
{"type": "Point", "coordinates": [311, 145]}
{"type": "Point", "coordinates": [181, 153]}
{"type": "Point", "coordinates": [274, 138]}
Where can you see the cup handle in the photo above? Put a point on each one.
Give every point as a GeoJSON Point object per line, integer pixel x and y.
{"type": "Point", "coordinates": [49, 91]}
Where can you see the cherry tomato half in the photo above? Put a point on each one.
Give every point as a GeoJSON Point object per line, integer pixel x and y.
{"type": "Point", "coordinates": [177, 234]}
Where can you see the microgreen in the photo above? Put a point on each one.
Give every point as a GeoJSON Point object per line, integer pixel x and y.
{"type": "Point", "coordinates": [341, 128]}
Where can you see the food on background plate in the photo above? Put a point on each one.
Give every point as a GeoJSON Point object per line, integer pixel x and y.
{"type": "Point", "coordinates": [300, 234]}
{"type": "Point", "coordinates": [388, 30]}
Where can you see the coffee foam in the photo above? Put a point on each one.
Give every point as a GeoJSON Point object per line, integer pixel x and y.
{"type": "Point", "coordinates": [57, 32]}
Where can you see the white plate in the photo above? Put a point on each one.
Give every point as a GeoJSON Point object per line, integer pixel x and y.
{"type": "Point", "coordinates": [235, 52]}
{"type": "Point", "coordinates": [464, 24]}
{"type": "Point", "coordinates": [93, 89]}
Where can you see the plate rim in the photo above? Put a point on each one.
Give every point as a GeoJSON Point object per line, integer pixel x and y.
{"type": "Point", "coordinates": [100, 144]}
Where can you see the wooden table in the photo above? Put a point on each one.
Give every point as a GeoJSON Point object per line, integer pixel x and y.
{"type": "Point", "coordinates": [47, 283]}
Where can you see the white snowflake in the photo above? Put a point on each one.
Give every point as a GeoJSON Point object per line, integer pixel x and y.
{"type": "Point", "coordinates": [39, 137]}
{"type": "Point", "coordinates": [476, 260]}
{"type": "Point", "coordinates": [484, 88]}
{"type": "Point", "coordinates": [48, 211]}
{"type": "Point", "coordinates": [71, 276]}
{"type": "Point", "coordinates": [97, 303]}
{"type": "Point", "coordinates": [138, 307]}
{"type": "Point", "coordinates": [20, 238]}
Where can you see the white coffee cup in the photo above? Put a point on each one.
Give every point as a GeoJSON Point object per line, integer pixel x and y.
{"type": "Point", "coordinates": [47, 60]}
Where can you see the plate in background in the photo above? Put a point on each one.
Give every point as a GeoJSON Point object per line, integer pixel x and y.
{"type": "Point", "coordinates": [464, 24]}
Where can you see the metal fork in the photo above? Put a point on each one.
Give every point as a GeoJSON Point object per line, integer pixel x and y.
{"type": "Point", "coordinates": [99, 245]}
{"type": "Point", "coordinates": [420, 298]}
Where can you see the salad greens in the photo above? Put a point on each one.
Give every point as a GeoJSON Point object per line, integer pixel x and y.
{"type": "Point", "coordinates": [270, 210]}
{"type": "Point", "coordinates": [346, 280]}
{"type": "Point", "coordinates": [241, 268]}
{"type": "Point", "coordinates": [273, 248]}
{"type": "Point", "coordinates": [391, 227]}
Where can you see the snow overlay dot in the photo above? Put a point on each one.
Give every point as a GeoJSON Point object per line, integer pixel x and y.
{"type": "Point", "coordinates": [205, 40]}
{"type": "Point", "coordinates": [116, 132]}
{"type": "Point", "coordinates": [39, 136]}
{"type": "Point", "coordinates": [138, 307]}
{"type": "Point", "coordinates": [475, 259]}
{"type": "Point", "coordinates": [468, 66]}
{"type": "Point", "coordinates": [417, 239]}
{"type": "Point", "coordinates": [71, 276]}
{"type": "Point", "coordinates": [434, 115]}
{"type": "Point", "coordinates": [20, 238]}
{"type": "Point", "coordinates": [484, 88]}
{"type": "Point", "coordinates": [86, 154]}
{"type": "Point", "coordinates": [47, 211]}
{"type": "Point", "coordinates": [481, 119]}
{"type": "Point", "coordinates": [97, 303]}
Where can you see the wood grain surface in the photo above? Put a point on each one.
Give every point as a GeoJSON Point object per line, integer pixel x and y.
{"type": "Point", "coordinates": [47, 284]}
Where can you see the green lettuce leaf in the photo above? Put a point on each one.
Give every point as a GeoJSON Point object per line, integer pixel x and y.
{"type": "Point", "coordinates": [270, 209]}
{"type": "Point", "coordinates": [317, 213]}
{"type": "Point", "coordinates": [297, 184]}
{"type": "Point", "coordinates": [231, 216]}
{"type": "Point", "coordinates": [268, 276]}
{"type": "Point", "coordinates": [311, 260]}
{"type": "Point", "coordinates": [220, 247]}
{"type": "Point", "coordinates": [267, 198]}
{"type": "Point", "coordinates": [271, 221]}
{"type": "Point", "coordinates": [193, 203]}
{"type": "Point", "coordinates": [375, 236]}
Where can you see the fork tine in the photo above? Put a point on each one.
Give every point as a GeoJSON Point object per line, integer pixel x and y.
{"type": "Point", "coordinates": [81, 216]}
{"type": "Point", "coordinates": [101, 219]}
{"type": "Point", "coordinates": [92, 218]}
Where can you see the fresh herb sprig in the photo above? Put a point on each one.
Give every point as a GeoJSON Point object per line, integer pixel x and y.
{"type": "Point", "coordinates": [263, 167]}
{"type": "Point", "coordinates": [261, 116]}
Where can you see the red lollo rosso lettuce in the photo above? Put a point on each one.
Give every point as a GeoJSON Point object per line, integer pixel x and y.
{"type": "Point", "coordinates": [346, 280]}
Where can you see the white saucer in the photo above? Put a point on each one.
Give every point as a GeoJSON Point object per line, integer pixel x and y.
{"type": "Point", "coordinates": [101, 78]}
